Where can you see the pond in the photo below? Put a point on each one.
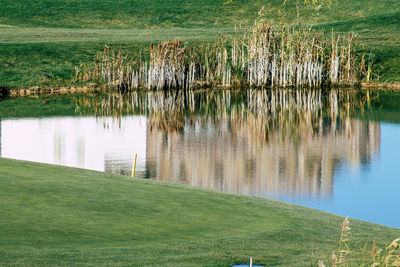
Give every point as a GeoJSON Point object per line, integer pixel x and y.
{"type": "Point", "coordinates": [334, 150]}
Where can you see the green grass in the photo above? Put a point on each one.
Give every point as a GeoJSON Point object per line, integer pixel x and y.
{"type": "Point", "coordinates": [45, 63]}
{"type": "Point", "coordinates": [177, 13]}
{"type": "Point", "coordinates": [41, 42]}
{"type": "Point", "coordinates": [61, 216]}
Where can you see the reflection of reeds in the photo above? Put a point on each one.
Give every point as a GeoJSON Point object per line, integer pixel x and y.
{"type": "Point", "coordinates": [262, 114]}
{"type": "Point", "coordinates": [265, 56]}
{"type": "Point", "coordinates": [259, 142]}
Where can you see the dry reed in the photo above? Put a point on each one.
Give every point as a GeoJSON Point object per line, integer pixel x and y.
{"type": "Point", "coordinates": [375, 256]}
{"type": "Point", "coordinates": [261, 56]}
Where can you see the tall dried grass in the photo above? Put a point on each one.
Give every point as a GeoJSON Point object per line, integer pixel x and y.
{"type": "Point", "coordinates": [389, 256]}
{"type": "Point", "coordinates": [261, 56]}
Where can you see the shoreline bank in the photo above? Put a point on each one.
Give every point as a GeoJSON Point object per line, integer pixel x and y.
{"type": "Point", "coordinates": [93, 87]}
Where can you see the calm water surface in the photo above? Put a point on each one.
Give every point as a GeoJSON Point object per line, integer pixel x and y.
{"type": "Point", "coordinates": [336, 151]}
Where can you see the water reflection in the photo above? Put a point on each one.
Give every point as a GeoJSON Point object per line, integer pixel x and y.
{"type": "Point", "coordinates": [282, 144]}
{"type": "Point", "coordinates": [266, 143]}
{"type": "Point", "coordinates": [314, 148]}
{"type": "Point", "coordinates": [202, 156]}
{"type": "Point", "coordinates": [84, 142]}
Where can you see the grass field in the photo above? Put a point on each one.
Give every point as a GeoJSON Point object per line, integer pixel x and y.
{"type": "Point", "coordinates": [61, 216]}
{"type": "Point", "coordinates": [41, 42]}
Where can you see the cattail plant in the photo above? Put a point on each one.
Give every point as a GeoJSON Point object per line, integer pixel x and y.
{"type": "Point", "coordinates": [261, 56]}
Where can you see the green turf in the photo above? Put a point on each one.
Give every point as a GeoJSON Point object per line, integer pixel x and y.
{"type": "Point", "coordinates": [178, 13]}
{"type": "Point", "coordinates": [63, 216]}
{"type": "Point", "coordinates": [41, 41]}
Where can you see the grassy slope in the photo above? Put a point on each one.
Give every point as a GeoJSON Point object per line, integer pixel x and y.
{"type": "Point", "coordinates": [176, 13]}
{"type": "Point", "coordinates": [62, 216]}
{"type": "Point", "coordinates": [32, 52]}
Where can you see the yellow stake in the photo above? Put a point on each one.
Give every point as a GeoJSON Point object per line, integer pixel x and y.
{"type": "Point", "coordinates": [134, 166]}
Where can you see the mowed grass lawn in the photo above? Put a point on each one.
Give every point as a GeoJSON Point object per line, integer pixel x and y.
{"type": "Point", "coordinates": [52, 215]}
{"type": "Point", "coordinates": [42, 41]}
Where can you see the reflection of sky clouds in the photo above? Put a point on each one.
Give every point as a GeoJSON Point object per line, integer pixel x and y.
{"type": "Point", "coordinates": [74, 141]}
